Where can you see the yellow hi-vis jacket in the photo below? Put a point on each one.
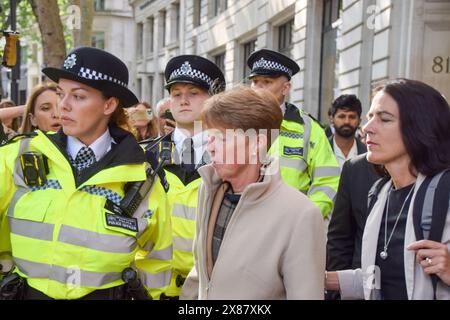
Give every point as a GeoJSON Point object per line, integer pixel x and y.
{"type": "Point", "coordinates": [64, 237]}
{"type": "Point", "coordinates": [306, 159]}
{"type": "Point", "coordinates": [182, 195]}
{"type": "Point", "coordinates": [183, 201]}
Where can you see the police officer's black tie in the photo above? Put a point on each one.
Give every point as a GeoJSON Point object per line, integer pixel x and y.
{"type": "Point", "coordinates": [188, 155]}
{"type": "Point", "coordinates": [84, 159]}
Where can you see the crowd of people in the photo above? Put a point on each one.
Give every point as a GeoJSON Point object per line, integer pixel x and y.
{"type": "Point", "coordinates": [218, 193]}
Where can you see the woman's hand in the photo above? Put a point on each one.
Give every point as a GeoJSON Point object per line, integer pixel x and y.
{"type": "Point", "coordinates": [331, 281]}
{"type": "Point", "coordinates": [434, 258]}
{"type": "Point", "coordinates": [169, 126]}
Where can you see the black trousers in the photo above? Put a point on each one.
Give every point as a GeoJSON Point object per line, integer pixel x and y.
{"type": "Point", "coordinates": [116, 293]}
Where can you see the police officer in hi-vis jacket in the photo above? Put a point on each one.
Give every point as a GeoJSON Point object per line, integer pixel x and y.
{"type": "Point", "coordinates": [64, 232]}
{"type": "Point", "coordinates": [306, 159]}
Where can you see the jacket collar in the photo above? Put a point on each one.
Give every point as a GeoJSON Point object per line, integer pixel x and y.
{"type": "Point", "coordinates": [126, 151]}
{"type": "Point", "coordinates": [292, 113]}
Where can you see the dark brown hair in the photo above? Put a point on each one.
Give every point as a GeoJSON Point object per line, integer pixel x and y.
{"type": "Point", "coordinates": [424, 125]}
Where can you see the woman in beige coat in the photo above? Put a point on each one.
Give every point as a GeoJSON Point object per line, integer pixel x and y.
{"type": "Point", "coordinates": [256, 237]}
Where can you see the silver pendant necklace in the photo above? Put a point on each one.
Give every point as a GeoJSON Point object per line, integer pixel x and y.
{"type": "Point", "coordinates": [384, 254]}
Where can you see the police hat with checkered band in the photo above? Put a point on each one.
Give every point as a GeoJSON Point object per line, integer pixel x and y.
{"type": "Point", "coordinates": [270, 63]}
{"type": "Point", "coordinates": [97, 69]}
{"type": "Point", "coordinates": [195, 70]}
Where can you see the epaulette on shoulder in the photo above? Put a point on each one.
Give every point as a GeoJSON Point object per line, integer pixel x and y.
{"type": "Point", "coordinates": [313, 118]}
{"type": "Point", "coordinates": [153, 143]}
{"type": "Point", "coordinates": [21, 136]}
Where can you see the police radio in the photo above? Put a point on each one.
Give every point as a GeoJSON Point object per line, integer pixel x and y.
{"type": "Point", "coordinates": [35, 168]}
{"type": "Point", "coordinates": [135, 192]}
{"type": "Point", "coordinates": [3, 136]}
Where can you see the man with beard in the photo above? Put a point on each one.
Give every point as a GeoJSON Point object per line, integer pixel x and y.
{"type": "Point", "coordinates": [346, 117]}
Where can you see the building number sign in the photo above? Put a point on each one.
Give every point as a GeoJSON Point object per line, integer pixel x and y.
{"type": "Point", "coordinates": [441, 65]}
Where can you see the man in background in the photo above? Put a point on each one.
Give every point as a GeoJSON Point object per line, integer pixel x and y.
{"type": "Point", "coordinates": [345, 115]}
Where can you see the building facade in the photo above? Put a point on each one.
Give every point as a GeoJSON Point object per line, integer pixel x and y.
{"type": "Point", "coordinates": [113, 28]}
{"type": "Point", "coordinates": [342, 46]}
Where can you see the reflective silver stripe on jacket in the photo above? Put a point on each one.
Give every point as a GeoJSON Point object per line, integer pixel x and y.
{"type": "Point", "coordinates": [320, 172]}
{"type": "Point", "coordinates": [163, 254]}
{"type": "Point", "coordinates": [71, 276]}
{"type": "Point", "coordinates": [157, 280]}
{"type": "Point", "coordinates": [306, 135]}
{"type": "Point", "coordinates": [32, 229]}
{"type": "Point", "coordinates": [96, 241]}
{"type": "Point", "coordinates": [325, 189]}
{"type": "Point", "coordinates": [22, 188]}
{"type": "Point", "coordinates": [297, 164]}
{"type": "Point", "coordinates": [182, 244]}
{"type": "Point", "coordinates": [184, 212]}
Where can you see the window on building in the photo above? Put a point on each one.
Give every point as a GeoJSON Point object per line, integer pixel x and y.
{"type": "Point", "coordinates": [248, 47]}
{"type": "Point", "coordinates": [98, 39]}
{"type": "Point", "coordinates": [197, 15]}
{"type": "Point", "coordinates": [151, 35]}
{"type": "Point", "coordinates": [219, 60]}
{"type": "Point", "coordinates": [139, 38]}
{"type": "Point", "coordinates": [139, 88]}
{"type": "Point", "coordinates": [150, 87]}
{"type": "Point", "coordinates": [22, 97]}
{"type": "Point", "coordinates": [163, 83]}
{"type": "Point", "coordinates": [219, 6]}
{"type": "Point", "coordinates": [23, 55]}
{"type": "Point", "coordinates": [99, 5]}
{"type": "Point", "coordinates": [177, 22]}
{"type": "Point", "coordinates": [34, 52]}
{"type": "Point", "coordinates": [328, 80]}
{"type": "Point", "coordinates": [285, 34]}
{"type": "Point", "coordinates": [163, 27]}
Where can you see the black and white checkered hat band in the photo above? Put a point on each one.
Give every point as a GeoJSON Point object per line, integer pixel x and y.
{"type": "Point", "coordinates": [271, 65]}
{"type": "Point", "coordinates": [187, 71]}
{"type": "Point", "coordinates": [95, 75]}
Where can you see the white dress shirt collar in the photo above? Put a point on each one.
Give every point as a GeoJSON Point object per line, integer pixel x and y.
{"type": "Point", "coordinates": [341, 158]}
{"type": "Point", "coordinates": [283, 108]}
{"type": "Point", "coordinates": [199, 140]}
{"type": "Point", "coordinates": [100, 146]}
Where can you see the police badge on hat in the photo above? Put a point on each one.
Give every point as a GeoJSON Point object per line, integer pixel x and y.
{"type": "Point", "coordinates": [195, 70]}
{"type": "Point", "coordinates": [98, 69]}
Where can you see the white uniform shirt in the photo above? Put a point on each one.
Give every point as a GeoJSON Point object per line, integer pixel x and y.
{"type": "Point", "coordinates": [100, 146]}
{"type": "Point", "coordinates": [199, 141]}
{"type": "Point", "coordinates": [340, 155]}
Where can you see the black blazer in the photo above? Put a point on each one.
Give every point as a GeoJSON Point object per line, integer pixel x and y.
{"type": "Point", "coordinates": [349, 215]}
{"type": "Point", "coordinates": [362, 148]}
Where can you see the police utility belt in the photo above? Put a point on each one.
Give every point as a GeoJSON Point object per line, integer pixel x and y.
{"type": "Point", "coordinates": [14, 287]}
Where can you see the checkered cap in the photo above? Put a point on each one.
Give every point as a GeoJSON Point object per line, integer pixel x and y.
{"type": "Point", "coordinates": [185, 70]}
{"type": "Point", "coordinates": [270, 63]}
{"type": "Point", "coordinates": [96, 75]}
{"type": "Point", "coordinates": [98, 69]}
{"type": "Point", "coordinates": [195, 70]}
